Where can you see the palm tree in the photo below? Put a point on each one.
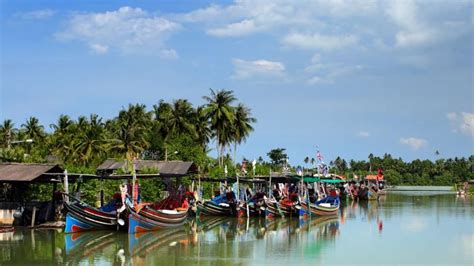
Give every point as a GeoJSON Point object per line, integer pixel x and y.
{"type": "Point", "coordinates": [181, 117]}
{"type": "Point", "coordinates": [131, 129]}
{"type": "Point", "coordinates": [91, 141]}
{"type": "Point", "coordinates": [62, 138]}
{"type": "Point", "coordinates": [33, 130]}
{"type": "Point", "coordinates": [201, 127]}
{"type": "Point", "coordinates": [7, 133]}
{"type": "Point", "coordinates": [162, 114]}
{"type": "Point", "coordinates": [221, 115]}
{"type": "Point", "coordinates": [242, 126]}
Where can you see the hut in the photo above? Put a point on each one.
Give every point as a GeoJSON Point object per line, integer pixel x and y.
{"type": "Point", "coordinates": [14, 181]}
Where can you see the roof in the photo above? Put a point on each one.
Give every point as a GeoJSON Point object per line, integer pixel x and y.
{"type": "Point", "coordinates": [27, 172]}
{"type": "Point", "coordinates": [165, 168]}
{"type": "Point", "coordinates": [374, 177]}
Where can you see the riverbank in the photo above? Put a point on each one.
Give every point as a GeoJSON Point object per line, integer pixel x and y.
{"type": "Point", "coordinates": [421, 188]}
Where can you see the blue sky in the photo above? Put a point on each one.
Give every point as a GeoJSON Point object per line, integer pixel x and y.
{"type": "Point", "coordinates": [349, 77]}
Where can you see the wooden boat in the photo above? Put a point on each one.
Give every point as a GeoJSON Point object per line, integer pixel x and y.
{"type": "Point", "coordinates": [217, 206]}
{"type": "Point", "coordinates": [283, 208]}
{"type": "Point", "coordinates": [324, 207]}
{"type": "Point", "coordinates": [82, 217]}
{"type": "Point", "coordinates": [149, 219]}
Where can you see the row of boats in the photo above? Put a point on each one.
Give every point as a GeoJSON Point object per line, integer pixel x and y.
{"type": "Point", "coordinates": [309, 198]}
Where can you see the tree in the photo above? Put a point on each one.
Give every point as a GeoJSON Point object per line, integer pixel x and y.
{"type": "Point", "coordinates": [242, 126]}
{"type": "Point", "coordinates": [221, 115]}
{"type": "Point", "coordinates": [201, 127]}
{"type": "Point", "coordinates": [33, 130]}
{"type": "Point", "coordinates": [306, 160]}
{"type": "Point", "coordinates": [91, 142]}
{"type": "Point", "coordinates": [7, 133]}
{"type": "Point", "coordinates": [277, 156]}
{"type": "Point", "coordinates": [61, 140]}
{"type": "Point", "coordinates": [130, 130]}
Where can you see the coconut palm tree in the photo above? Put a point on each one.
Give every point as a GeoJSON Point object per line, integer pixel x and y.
{"type": "Point", "coordinates": [181, 117]}
{"type": "Point", "coordinates": [33, 130]}
{"type": "Point", "coordinates": [7, 133]}
{"type": "Point", "coordinates": [162, 114]}
{"type": "Point", "coordinates": [91, 142]}
{"type": "Point", "coordinates": [130, 130]}
{"type": "Point", "coordinates": [242, 126]}
{"type": "Point", "coordinates": [62, 138]}
{"type": "Point", "coordinates": [221, 115]}
{"type": "Point", "coordinates": [201, 127]}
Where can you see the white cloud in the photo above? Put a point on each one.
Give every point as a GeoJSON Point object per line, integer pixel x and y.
{"type": "Point", "coordinates": [363, 134]}
{"type": "Point", "coordinates": [412, 32]}
{"type": "Point", "coordinates": [244, 27]}
{"type": "Point", "coordinates": [463, 122]}
{"type": "Point", "coordinates": [129, 30]}
{"type": "Point", "coordinates": [98, 48]}
{"type": "Point", "coordinates": [257, 69]}
{"type": "Point", "coordinates": [318, 41]}
{"type": "Point", "coordinates": [321, 72]}
{"type": "Point", "coordinates": [414, 143]}
{"type": "Point", "coordinates": [36, 14]}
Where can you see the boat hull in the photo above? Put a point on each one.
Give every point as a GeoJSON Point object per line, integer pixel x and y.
{"type": "Point", "coordinates": [210, 208]}
{"type": "Point", "coordinates": [278, 209]}
{"type": "Point", "coordinates": [138, 223]}
{"type": "Point", "coordinates": [81, 217]}
{"type": "Point", "coordinates": [318, 210]}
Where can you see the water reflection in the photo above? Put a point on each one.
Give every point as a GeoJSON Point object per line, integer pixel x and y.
{"type": "Point", "coordinates": [230, 241]}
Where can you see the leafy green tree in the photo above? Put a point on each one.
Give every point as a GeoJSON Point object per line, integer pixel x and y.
{"type": "Point", "coordinates": [202, 128]}
{"type": "Point", "coordinates": [277, 156]}
{"type": "Point", "coordinates": [7, 133]}
{"type": "Point", "coordinates": [33, 130]}
{"type": "Point", "coordinates": [221, 115]}
{"type": "Point", "coordinates": [242, 126]}
{"type": "Point", "coordinates": [131, 131]}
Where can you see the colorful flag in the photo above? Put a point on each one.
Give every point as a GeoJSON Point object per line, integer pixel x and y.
{"type": "Point", "coordinates": [319, 156]}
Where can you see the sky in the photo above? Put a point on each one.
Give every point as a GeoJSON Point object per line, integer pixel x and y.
{"type": "Point", "coordinates": [349, 78]}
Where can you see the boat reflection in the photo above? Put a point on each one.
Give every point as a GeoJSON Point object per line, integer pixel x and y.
{"type": "Point", "coordinates": [205, 239]}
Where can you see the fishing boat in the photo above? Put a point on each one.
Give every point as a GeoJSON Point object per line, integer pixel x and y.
{"type": "Point", "coordinates": [152, 217]}
{"type": "Point", "coordinates": [282, 208]}
{"type": "Point", "coordinates": [83, 217]}
{"type": "Point", "coordinates": [219, 205]}
{"type": "Point", "coordinates": [325, 207]}
{"type": "Point", "coordinates": [149, 219]}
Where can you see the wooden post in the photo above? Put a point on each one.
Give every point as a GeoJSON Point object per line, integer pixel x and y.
{"type": "Point", "coordinates": [53, 202]}
{"type": "Point", "coordinates": [33, 217]}
{"type": "Point", "coordinates": [134, 179]}
{"type": "Point", "coordinates": [66, 186]}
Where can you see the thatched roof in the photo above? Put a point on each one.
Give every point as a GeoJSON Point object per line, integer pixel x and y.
{"type": "Point", "coordinates": [165, 168]}
{"type": "Point", "coordinates": [27, 172]}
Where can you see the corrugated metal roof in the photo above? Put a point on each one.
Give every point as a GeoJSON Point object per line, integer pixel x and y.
{"type": "Point", "coordinates": [164, 167]}
{"type": "Point", "coordinates": [26, 172]}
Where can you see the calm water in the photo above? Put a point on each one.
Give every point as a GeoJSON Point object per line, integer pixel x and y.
{"type": "Point", "coordinates": [403, 228]}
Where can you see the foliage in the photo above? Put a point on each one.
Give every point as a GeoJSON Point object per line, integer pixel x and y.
{"type": "Point", "coordinates": [277, 156]}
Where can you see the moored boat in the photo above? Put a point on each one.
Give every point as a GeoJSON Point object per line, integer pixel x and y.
{"type": "Point", "coordinates": [82, 217]}
{"type": "Point", "coordinates": [325, 207]}
{"type": "Point", "coordinates": [220, 205]}
{"type": "Point", "coordinates": [282, 208]}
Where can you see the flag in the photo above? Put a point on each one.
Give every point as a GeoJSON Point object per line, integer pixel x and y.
{"type": "Point", "coordinates": [319, 156]}
{"type": "Point", "coordinates": [244, 167]}
{"type": "Point", "coordinates": [299, 171]}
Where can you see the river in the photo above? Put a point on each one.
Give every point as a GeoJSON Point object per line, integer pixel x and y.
{"type": "Point", "coordinates": [401, 228]}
